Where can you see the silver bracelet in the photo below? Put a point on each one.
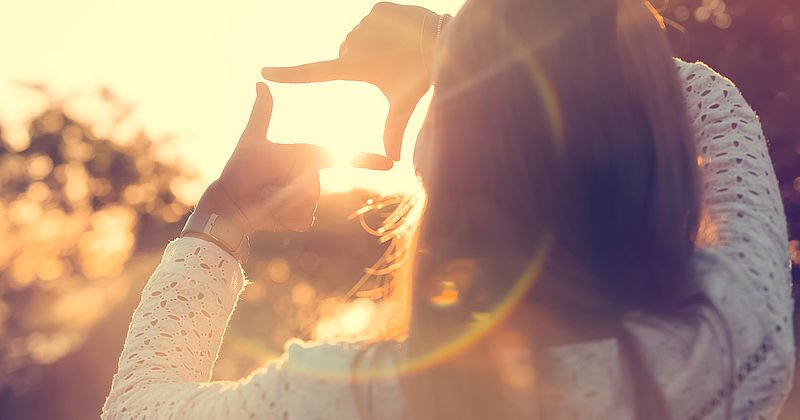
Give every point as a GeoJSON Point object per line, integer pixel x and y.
{"type": "Point", "coordinates": [439, 28]}
{"type": "Point", "coordinates": [440, 25]}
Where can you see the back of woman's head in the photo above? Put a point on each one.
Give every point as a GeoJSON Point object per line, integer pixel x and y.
{"type": "Point", "coordinates": [557, 128]}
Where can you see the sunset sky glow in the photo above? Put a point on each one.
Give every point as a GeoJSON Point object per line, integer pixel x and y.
{"type": "Point", "coordinates": [189, 70]}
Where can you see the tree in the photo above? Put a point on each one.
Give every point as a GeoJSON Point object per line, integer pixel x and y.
{"type": "Point", "coordinates": [73, 204]}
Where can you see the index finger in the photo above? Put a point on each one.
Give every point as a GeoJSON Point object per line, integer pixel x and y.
{"type": "Point", "coordinates": [371, 161]}
{"type": "Point", "coordinates": [322, 71]}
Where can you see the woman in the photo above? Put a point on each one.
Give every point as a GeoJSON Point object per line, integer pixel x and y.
{"type": "Point", "coordinates": [565, 183]}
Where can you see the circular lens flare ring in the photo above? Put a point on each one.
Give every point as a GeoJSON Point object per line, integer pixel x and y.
{"type": "Point", "coordinates": [483, 324]}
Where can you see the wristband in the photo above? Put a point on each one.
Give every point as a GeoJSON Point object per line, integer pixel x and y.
{"type": "Point", "coordinates": [222, 231]}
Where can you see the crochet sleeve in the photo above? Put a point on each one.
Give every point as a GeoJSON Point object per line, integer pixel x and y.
{"type": "Point", "coordinates": [175, 336]}
{"type": "Point", "coordinates": [745, 219]}
{"type": "Point", "coordinates": [734, 337]}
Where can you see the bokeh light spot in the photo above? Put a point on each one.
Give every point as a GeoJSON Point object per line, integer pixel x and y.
{"type": "Point", "coordinates": [682, 13]}
{"type": "Point", "coordinates": [278, 270]}
{"type": "Point", "coordinates": [303, 294]}
{"type": "Point", "coordinates": [357, 316]}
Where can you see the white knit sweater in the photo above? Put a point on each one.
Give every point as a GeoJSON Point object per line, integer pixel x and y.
{"type": "Point", "coordinates": [742, 286]}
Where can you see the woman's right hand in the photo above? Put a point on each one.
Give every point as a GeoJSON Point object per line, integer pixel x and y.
{"type": "Point", "coordinates": [268, 186]}
{"type": "Point", "coordinates": [392, 48]}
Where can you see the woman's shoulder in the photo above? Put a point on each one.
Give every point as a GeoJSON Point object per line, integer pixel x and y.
{"type": "Point", "coordinates": [705, 84]}
{"type": "Point", "coordinates": [696, 69]}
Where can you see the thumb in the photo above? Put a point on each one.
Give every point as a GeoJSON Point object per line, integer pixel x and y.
{"type": "Point", "coordinates": [396, 122]}
{"type": "Point", "coordinates": [258, 123]}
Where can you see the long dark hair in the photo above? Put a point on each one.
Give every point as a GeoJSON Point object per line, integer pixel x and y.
{"type": "Point", "coordinates": [560, 174]}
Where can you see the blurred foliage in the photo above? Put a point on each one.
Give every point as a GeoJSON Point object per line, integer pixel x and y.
{"type": "Point", "coordinates": [84, 218]}
{"type": "Point", "coordinates": [71, 206]}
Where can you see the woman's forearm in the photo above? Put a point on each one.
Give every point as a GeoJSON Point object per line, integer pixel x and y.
{"type": "Point", "coordinates": [176, 331]}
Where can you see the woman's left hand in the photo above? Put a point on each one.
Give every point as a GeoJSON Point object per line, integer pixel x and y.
{"type": "Point", "coordinates": [392, 48]}
{"type": "Point", "coordinates": [268, 186]}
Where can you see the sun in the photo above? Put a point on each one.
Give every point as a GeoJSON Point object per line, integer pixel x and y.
{"type": "Point", "coordinates": [345, 118]}
{"type": "Point", "coordinates": [202, 97]}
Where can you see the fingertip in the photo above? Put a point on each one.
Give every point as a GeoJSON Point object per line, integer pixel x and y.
{"type": "Point", "coordinates": [276, 74]}
{"type": "Point", "coordinates": [372, 161]}
{"type": "Point", "coordinates": [387, 165]}
{"type": "Point", "coordinates": [263, 95]}
{"type": "Point", "coordinates": [392, 142]}
{"type": "Point", "coordinates": [393, 154]}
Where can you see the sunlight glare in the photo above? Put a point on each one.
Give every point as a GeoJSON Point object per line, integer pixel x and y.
{"type": "Point", "coordinates": [349, 320]}
{"type": "Point", "coordinates": [201, 91]}
{"type": "Point", "coordinates": [356, 318]}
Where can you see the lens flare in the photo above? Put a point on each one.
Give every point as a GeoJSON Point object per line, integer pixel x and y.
{"type": "Point", "coordinates": [482, 325]}
{"type": "Point", "coordinates": [447, 297]}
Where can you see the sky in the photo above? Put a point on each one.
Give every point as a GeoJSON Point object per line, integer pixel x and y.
{"type": "Point", "coordinates": [189, 69]}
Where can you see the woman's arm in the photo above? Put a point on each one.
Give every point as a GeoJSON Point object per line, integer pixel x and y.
{"type": "Point", "coordinates": [732, 341]}
{"type": "Point", "coordinates": [744, 216]}
{"type": "Point", "coordinates": [176, 331]}
{"type": "Point", "coordinates": [174, 338]}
